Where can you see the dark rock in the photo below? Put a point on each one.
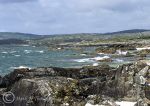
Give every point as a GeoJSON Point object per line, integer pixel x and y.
{"type": "Point", "coordinates": [145, 51]}
{"type": "Point", "coordinates": [52, 86]}
{"type": "Point", "coordinates": [147, 89]}
{"type": "Point", "coordinates": [111, 49]}
{"type": "Point", "coordinates": [106, 50]}
{"type": "Point", "coordinates": [52, 91]}
{"type": "Point", "coordinates": [106, 60]}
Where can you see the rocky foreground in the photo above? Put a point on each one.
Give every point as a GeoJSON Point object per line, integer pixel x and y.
{"type": "Point", "coordinates": [87, 86]}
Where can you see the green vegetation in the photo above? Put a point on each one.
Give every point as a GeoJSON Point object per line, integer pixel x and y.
{"type": "Point", "coordinates": [83, 39]}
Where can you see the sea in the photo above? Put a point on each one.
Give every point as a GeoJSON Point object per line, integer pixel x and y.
{"type": "Point", "coordinates": [22, 56]}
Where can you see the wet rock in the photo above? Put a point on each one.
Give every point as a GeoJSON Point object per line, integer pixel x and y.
{"type": "Point", "coordinates": [142, 56]}
{"type": "Point", "coordinates": [144, 51]}
{"type": "Point", "coordinates": [77, 73]}
{"type": "Point", "coordinates": [1, 79]}
{"type": "Point", "coordinates": [106, 60]}
{"type": "Point", "coordinates": [111, 49]}
{"type": "Point", "coordinates": [106, 50]}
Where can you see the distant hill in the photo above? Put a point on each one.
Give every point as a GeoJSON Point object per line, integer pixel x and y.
{"type": "Point", "coordinates": [13, 35]}
{"type": "Point", "coordinates": [82, 38]}
{"type": "Point", "coordinates": [67, 38]}
{"type": "Point", "coordinates": [16, 35]}
{"type": "Point", "coordinates": [128, 31]}
{"type": "Point", "coordinates": [12, 41]}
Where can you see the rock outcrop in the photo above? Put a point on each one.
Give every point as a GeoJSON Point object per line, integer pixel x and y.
{"type": "Point", "coordinates": [52, 86]}
{"type": "Point", "coordinates": [112, 48]}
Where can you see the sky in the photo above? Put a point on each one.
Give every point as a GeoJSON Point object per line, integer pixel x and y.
{"type": "Point", "coordinates": [73, 16]}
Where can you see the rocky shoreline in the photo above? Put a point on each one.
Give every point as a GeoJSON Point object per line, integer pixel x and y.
{"type": "Point", "coordinates": [87, 86]}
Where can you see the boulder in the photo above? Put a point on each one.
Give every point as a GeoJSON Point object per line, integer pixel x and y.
{"type": "Point", "coordinates": [52, 91]}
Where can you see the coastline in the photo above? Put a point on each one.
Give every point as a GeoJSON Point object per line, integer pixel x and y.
{"type": "Point", "coordinates": [91, 85]}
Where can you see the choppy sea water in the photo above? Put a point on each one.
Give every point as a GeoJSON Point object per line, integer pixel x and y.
{"type": "Point", "coordinates": [17, 56]}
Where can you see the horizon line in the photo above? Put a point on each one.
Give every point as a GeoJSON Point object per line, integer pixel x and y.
{"type": "Point", "coordinates": [104, 33]}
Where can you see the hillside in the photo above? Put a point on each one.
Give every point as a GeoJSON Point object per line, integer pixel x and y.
{"type": "Point", "coordinates": [128, 31]}
{"type": "Point", "coordinates": [95, 38]}
{"type": "Point", "coordinates": [16, 35]}
{"type": "Point", "coordinates": [81, 39]}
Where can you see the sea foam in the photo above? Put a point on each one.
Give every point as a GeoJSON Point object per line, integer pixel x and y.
{"type": "Point", "coordinates": [27, 51]}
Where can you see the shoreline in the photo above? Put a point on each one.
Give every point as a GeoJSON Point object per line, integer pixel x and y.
{"type": "Point", "coordinates": [103, 85]}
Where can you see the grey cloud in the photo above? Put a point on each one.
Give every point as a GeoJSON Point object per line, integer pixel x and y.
{"type": "Point", "coordinates": [129, 6]}
{"type": "Point", "coordinates": [16, 1]}
{"type": "Point", "coordinates": [74, 16]}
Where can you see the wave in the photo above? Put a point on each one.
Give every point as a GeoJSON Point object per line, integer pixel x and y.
{"type": "Point", "coordinates": [59, 48]}
{"type": "Point", "coordinates": [5, 52]}
{"type": "Point", "coordinates": [41, 51]}
{"type": "Point", "coordinates": [25, 45]}
{"type": "Point", "coordinates": [27, 51]}
{"type": "Point", "coordinates": [125, 103]}
{"type": "Point", "coordinates": [92, 59]}
{"type": "Point", "coordinates": [83, 60]}
{"type": "Point", "coordinates": [20, 67]}
{"type": "Point", "coordinates": [13, 51]}
{"type": "Point", "coordinates": [83, 54]}
{"type": "Point", "coordinates": [100, 53]}
{"type": "Point", "coordinates": [122, 52]}
{"type": "Point", "coordinates": [101, 58]}
{"type": "Point", "coordinates": [17, 55]}
{"type": "Point", "coordinates": [119, 60]}
{"type": "Point", "coordinates": [95, 64]}
{"type": "Point", "coordinates": [143, 48]}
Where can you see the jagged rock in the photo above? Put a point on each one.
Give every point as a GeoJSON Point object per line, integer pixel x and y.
{"type": "Point", "coordinates": [144, 52]}
{"type": "Point", "coordinates": [148, 73]}
{"type": "Point", "coordinates": [139, 65]}
{"type": "Point", "coordinates": [97, 100]}
{"type": "Point", "coordinates": [111, 49]}
{"type": "Point", "coordinates": [1, 79]}
{"type": "Point", "coordinates": [52, 91]}
{"type": "Point", "coordinates": [72, 86]}
{"type": "Point", "coordinates": [144, 71]}
{"type": "Point", "coordinates": [77, 73]}
{"type": "Point", "coordinates": [147, 89]}
{"type": "Point", "coordinates": [140, 102]}
{"type": "Point", "coordinates": [140, 79]}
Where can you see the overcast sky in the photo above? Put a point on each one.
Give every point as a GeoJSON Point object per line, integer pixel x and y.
{"type": "Point", "coordinates": [73, 16]}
